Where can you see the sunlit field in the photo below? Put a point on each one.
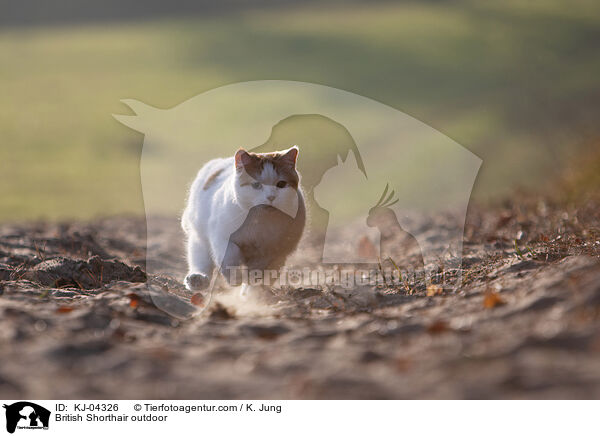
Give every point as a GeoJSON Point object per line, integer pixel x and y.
{"type": "Point", "coordinates": [515, 83]}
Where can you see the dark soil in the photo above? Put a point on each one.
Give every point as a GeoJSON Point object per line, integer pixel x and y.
{"type": "Point", "coordinates": [77, 320]}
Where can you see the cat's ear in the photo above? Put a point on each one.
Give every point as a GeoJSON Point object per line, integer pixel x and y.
{"type": "Point", "coordinates": [242, 158]}
{"type": "Point", "coordinates": [290, 156]}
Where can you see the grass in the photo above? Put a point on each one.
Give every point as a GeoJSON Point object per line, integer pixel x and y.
{"type": "Point", "coordinates": [515, 83]}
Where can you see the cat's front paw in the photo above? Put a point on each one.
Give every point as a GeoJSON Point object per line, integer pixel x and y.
{"type": "Point", "coordinates": [196, 282]}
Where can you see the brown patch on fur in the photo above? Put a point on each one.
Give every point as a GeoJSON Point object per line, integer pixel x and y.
{"type": "Point", "coordinates": [258, 161]}
{"type": "Point", "coordinates": [209, 182]}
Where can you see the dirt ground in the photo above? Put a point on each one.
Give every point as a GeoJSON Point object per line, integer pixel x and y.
{"type": "Point", "coordinates": [77, 320]}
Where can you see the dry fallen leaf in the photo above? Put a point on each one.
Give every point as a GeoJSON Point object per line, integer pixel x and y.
{"type": "Point", "coordinates": [134, 300]}
{"type": "Point", "coordinates": [433, 290]}
{"type": "Point", "coordinates": [402, 364]}
{"type": "Point", "coordinates": [64, 309]}
{"type": "Point", "coordinates": [492, 299]}
{"type": "Point", "coordinates": [503, 220]}
{"type": "Point", "coordinates": [366, 249]}
{"type": "Point", "coordinates": [197, 299]}
{"type": "Point", "coordinates": [438, 327]}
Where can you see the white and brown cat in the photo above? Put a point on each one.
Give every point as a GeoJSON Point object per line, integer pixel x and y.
{"type": "Point", "coordinates": [243, 211]}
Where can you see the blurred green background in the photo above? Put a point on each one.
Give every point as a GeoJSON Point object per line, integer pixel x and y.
{"type": "Point", "coordinates": [515, 82]}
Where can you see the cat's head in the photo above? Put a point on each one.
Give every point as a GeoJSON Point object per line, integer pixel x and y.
{"type": "Point", "coordinates": [267, 178]}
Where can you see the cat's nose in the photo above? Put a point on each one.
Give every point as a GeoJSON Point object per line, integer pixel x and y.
{"type": "Point", "coordinates": [271, 198]}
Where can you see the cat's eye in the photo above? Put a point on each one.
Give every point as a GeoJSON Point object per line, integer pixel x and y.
{"type": "Point", "coordinates": [281, 184]}
{"type": "Point", "coordinates": [257, 185]}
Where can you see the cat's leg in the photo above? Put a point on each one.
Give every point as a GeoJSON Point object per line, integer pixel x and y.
{"type": "Point", "coordinates": [245, 290]}
{"type": "Point", "coordinates": [200, 264]}
{"type": "Point", "coordinates": [248, 290]}
{"type": "Point", "coordinates": [232, 264]}
{"type": "Point", "coordinates": [233, 269]}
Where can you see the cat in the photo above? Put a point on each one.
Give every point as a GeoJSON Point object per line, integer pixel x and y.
{"type": "Point", "coordinates": [243, 211]}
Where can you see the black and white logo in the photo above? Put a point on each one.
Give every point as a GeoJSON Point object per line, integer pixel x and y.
{"type": "Point", "coordinates": [26, 415]}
